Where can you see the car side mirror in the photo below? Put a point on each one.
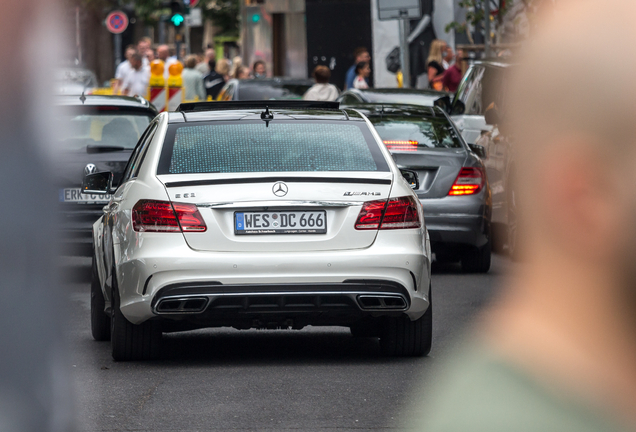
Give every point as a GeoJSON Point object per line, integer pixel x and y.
{"type": "Point", "coordinates": [444, 103]}
{"type": "Point", "coordinates": [479, 150]}
{"type": "Point", "coordinates": [99, 183]}
{"type": "Point", "coordinates": [411, 178]}
{"type": "Point", "coordinates": [458, 108]}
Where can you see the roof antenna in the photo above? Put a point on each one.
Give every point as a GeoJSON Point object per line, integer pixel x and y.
{"type": "Point", "coordinates": [267, 116]}
{"type": "Point", "coordinates": [82, 97]}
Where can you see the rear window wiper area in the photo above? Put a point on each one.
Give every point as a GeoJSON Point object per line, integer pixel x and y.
{"type": "Point", "coordinates": [103, 148]}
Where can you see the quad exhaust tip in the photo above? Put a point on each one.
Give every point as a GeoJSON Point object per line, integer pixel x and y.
{"type": "Point", "coordinates": [182, 305]}
{"type": "Point", "coordinates": [394, 302]}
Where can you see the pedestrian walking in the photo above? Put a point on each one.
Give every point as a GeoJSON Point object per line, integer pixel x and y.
{"type": "Point", "coordinates": [260, 69]}
{"type": "Point", "coordinates": [237, 65]}
{"type": "Point", "coordinates": [434, 64]}
{"type": "Point", "coordinates": [209, 62]}
{"type": "Point", "coordinates": [123, 68]}
{"type": "Point", "coordinates": [135, 83]}
{"type": "Point", "coordinates": [453, 75]}
{"type": "Point", "coordinates": [215, 80]}
{"type": "Point", "coordinates": [322, 90]}
{"type": "Point", "coordinates": [192, 80]}
{"type": "Point", "coordinates": [145, 51]}
{"type": "Point", "coordinates": [244, 73]}
{"type": "Point", "coordinates": [362, 70]}
{"type": "Point", "coordinates": [163, 53]}
{"type": "Point", "coordinates": [360, 54]}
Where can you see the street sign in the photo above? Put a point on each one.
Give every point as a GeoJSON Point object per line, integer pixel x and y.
{"type": "Point", "coordinates": [194, 19]}
{"type": "Point", "coordinates": [193, 3]}
{"type": "Point", "coordinates": [399, 9]}
{"type": "Point", "coordinates": [117, 22]}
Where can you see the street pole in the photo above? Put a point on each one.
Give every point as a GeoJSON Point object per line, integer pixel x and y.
{"type": "Point", "coordinates": [404, 52]}
{"type": "Point", "coordinates": [117, 40]}
{"type": "Point", "coordinates": [487, 28]}
{"type": "Point", "coordinates": [187, 35]}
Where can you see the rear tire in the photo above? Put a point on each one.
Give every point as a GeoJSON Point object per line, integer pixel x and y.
{"type": "Point", "coordinates": [477, 260]}
{"type": "Point", "coordinates": [130, 341]}
{"type": "Point", "coordinates": [403, 337]}
{"type": "Point", "coordinates": [100, 321]}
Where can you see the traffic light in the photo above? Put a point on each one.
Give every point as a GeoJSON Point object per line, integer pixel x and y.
{"type": "Point", "coordinates": [177, 16]}
{"type": "Point", "coordinates": [177, 19]}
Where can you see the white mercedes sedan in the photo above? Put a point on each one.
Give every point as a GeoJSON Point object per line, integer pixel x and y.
{"type": "Point", "coordinates": [268, 214]}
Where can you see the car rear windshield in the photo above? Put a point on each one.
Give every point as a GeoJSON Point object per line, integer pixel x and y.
{"type": "Point", "coordinates": [416, 131]}
{"type": "Point", "coordinates": [282, 146]}
{"type": "Point", "coordinates": [82, 128]}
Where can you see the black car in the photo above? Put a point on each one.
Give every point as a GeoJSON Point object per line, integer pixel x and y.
{"type": "Point", "coordinates": [265, 89]}
{"type": "Point", "coordinates": [97, 133]}
{"type": "Point", "coordinates": [391, 96]}
{"type": "Point", "coordinates": [453, 186]}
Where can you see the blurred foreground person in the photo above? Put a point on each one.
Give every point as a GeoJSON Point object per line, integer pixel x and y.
{"type": "Point", "coordinates": [136, 80]}
{"type": "Point", "coordinates": [259, 68]}
{"type": "Point", "coordinates": [215, 80]}
{"type": "Point", "coordinates": [34, 374]}
{"type": "Point", "coordinates": [322, 90]}
{"type": "Point", "coordinates": [557, 350]}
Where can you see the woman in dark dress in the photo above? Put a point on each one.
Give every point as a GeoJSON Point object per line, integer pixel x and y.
{"type": "Point", "coordinates": [434, 65]}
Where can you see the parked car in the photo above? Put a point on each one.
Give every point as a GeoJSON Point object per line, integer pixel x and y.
{"type": "Point", "coordinates": [74, 81]}
{"type": "Point", "coordinates": [478, 105]}
{"type": "Point", "coordinates": [453, 185]}
{"type": "Point", "coordinates": [391, 96]}
{"type": "Point", "coordinates": [98, 133]}
{"type": "Point", "coordinates": [264, 89]}
{"type": "Point", "coordinates": [274, 214]}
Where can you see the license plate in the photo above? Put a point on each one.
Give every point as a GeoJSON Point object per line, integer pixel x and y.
{"type": "Point", "coordinates": [76, 196]}
{"type": "Point", "coordinates": [285, 222]}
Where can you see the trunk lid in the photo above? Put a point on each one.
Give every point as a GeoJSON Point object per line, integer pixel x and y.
{"type": "Point", "coordinates": [220, 196]}
{"type": "Point", "coordinates": [437, 169]}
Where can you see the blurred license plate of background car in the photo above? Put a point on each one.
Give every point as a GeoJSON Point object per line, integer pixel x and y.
{"type": "Point", "coordinates": [288, 222]}
{"type": "Point", "coordinates": [75, 195]}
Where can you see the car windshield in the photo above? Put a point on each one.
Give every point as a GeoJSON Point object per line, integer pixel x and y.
{"type": "Point", "coordinates": [93, 128]}
{"type": "Point", "coordinates": [283, 146]}
{"type": "Point", "coordinates": [256, 91]}
{"type": "Point", "coordinates": [409, 133]}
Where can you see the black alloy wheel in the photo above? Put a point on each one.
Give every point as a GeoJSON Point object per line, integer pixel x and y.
{"type": "Point", "coordinates": [130, 341]}
{"type": "Point", "coordinates": [403, 337]}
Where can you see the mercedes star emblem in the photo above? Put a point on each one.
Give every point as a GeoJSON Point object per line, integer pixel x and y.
{"type": "Point", "coordinates": [280, 189]}
{"type": "Point", "coordinates": [90, 169]}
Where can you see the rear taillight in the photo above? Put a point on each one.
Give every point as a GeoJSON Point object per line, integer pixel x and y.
{"type": "Point", "coordinates": [401, 145]}
{"type": "Point", "coordinates": [163, 216]}
{"type": "Point", "coordinates": [469, 181]}
{"type": "Point", "coordinates": [396, 213]}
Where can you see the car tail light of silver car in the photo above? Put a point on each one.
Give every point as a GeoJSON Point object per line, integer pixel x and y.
{"type": "Point", "coordinates": [469, 181]}
{"type": "Point", "coordinates": [396, 213]}
{"type": "Point", "coordinates": [164, 216]}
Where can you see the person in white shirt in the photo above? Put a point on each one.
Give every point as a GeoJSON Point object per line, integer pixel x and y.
{"type": "Point", "coordinates": [123, 68]}
{"type": "Point", "coordinates": [363, 70]}
{"type": "Point", "coordinates": [163, 53]}
{"type": "Point", "coordinates": [322, 90]}
{"type": "Point", "coordinates": [136, 80]}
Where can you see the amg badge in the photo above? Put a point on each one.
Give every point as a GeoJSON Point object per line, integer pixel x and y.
{"type": "Point", "coordinates": [362, 194]}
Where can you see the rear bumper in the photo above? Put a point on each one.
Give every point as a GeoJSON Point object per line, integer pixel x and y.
{"type": "Point", "coordinates": [461, 221]}
{"type": "Point", "coordinates": [320, 287]}
{"type": "Point", "coordinates": [275, 305]}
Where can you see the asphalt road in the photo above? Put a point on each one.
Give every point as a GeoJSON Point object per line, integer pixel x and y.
{"type": "Point", "coordinates": [316, 379]}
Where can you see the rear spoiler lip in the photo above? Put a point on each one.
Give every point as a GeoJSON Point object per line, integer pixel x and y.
{"type": "Point", "coordinates": [210, 182]}
{"type": "Point", "coordinates": [243, 105]}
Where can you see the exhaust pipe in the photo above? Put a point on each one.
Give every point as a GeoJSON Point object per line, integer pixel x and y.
{"type": "Point", "coordinates": [182, 305]}
{"type": "Point", "coordinates": [384, 302]}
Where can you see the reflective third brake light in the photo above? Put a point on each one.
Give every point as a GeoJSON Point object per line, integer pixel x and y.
{"type": "Point", "coordinates": [469, 181]}
{"type": "Point", "coordinates": [401, 145]}
{"type": "Point", "coordinates": [397, 213]}
{"type": "Point", "coordinates": [163, 216]}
